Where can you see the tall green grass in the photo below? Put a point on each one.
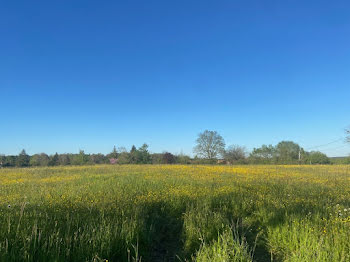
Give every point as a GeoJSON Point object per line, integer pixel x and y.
{"type": "Point", "coordinates": [175, 213]}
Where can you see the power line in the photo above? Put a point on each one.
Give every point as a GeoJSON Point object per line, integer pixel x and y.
{"type": "Point", "coordinates": [335, 141]}
{"type": "Point", "coordinates": [334, 148]}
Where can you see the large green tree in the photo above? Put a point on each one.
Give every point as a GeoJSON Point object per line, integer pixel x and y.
{"type": "Point", "coordinates": [142, 155]}
{"type": "Point", "coordinates": [285, 152]}
{"type": "Point", "coordinates": [316, 157]}
{"type": "Point", "coordinates": [81, 158]}
{"type": "Point", "coordinates": [263, 154]}
{"type": "Point", "coordinates": [288, 152]}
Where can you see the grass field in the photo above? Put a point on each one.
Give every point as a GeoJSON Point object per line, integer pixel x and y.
{"type": "Point", "coordinates": [175, 213]}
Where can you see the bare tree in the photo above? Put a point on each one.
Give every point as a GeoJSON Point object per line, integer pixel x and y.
{"type": "Point", "coordinates": [235, 153]}
{"type": "Point", "coordinates": [347, 131]}
{"type": "Point", "coordinates": [209, 144]}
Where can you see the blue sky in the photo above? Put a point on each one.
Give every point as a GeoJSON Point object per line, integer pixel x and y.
{"type": "Point", "coordinates": [93, 74]}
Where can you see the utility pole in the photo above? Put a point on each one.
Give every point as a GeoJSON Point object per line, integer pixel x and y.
{"type": "Point", "coordinates": [299, 155]}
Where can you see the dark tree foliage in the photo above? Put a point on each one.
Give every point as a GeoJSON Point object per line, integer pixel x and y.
{"type": "Point", "coordinates": [133, 149]}
{"type": "Point", "coordinates": [168, 158]}
{"type": "Point", "coordinates": [2, 160]}
{"type": "Point", "coordinates": [10, 161]}
{"type": "Point", "coordinates": [133, 155]}
{"type": "Point", "coordinates": [23, 159]}
{"type": "Point", "coordinates": [142, 155]}
{"type": "Point", "coordinates": [54, 160]}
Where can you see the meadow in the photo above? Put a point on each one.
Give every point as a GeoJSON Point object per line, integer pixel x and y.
{"type": "Point", "coordinates": [175, 213]}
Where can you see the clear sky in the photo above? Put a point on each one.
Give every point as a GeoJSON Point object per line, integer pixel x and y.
{"type": "Point", "coordinates": [93, 74]}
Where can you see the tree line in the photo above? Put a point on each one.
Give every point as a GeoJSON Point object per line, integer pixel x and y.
{"type": "Point", "coordinates": [210, 148]}
{"type": "Point", "coordinates": [211, 145]}
{"type": "Point", "coordinates": [135, 155]}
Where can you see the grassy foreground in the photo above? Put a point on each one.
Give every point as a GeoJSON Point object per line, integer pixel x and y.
{"type": "Point", "coordinates": [175, 213]}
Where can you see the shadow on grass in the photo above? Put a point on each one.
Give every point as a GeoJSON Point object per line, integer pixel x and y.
{"type": "Point", "coordinates": [163, 226]}
{"type": "Point", "coordinates": [158, 235]}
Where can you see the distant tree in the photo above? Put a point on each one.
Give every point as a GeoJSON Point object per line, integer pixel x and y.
{"type": "Point", "coordinates": [168, 158]}
{"type": "Point", "coordinates": [34, 160]}
{"type": "Point", "coordinates": [10, 161]}
{"type": "Point", "coordinates": [113, 154]}
{"type": "Point", "coordinates": [157, 158]}
{"type": "Point", "coordinates": [124, 158]}
{"type": "Point", "coordinates": [288, 152]}
{"type": "Point", "coordinates": [121, 149]}
{"type": "Point", "coordinates": [98, 159]}
{"type": "Point", "coordinates": [209, 145]}
{"type": "Point", "coordinates": [39, 160]}
{"type": "Point", "coordinates": [54, 160]}
{"type": "Point", "coordinates": [347, 131]}
{"type": "Point", "coordinates": [133, 155]}
{"type": "Point", "coordinates": [133, 149]}
{"type": "Point", "coordinates": [81, 158]}
{"type": "Point", "coordinates": [346, 161]}
{"type": "Point", "coordinates": [2, 160]}
{"type": "Point", "coordinates": [204, 161]}
{"type": "Point", "coordinates": [142, 155]}
{"type": "Point", "coordinates": [263, 154]}
{"type": "Point", "coordinates": [64, 159]}
{"type": "Point", "coordinates": [23, 159]}
{"type": "Point", "coordinates": [316, 157]}
{"type": "Point", "coordinates": [235, 153]}
{"type": "Point", "coordinates": [182, 159]}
